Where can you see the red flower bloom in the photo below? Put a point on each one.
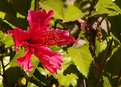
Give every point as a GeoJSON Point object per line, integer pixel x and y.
{"type": "Point", "coordinates": [38, 38]}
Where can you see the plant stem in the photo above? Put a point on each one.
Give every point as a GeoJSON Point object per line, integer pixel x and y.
{"type": "Point", "coordinates": [104, 63]}
{"type": "Point", "coordinates": [84, 83]}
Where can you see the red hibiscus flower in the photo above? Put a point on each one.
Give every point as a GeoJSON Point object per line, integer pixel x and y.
{"type": "Point", "coordinates": [37, 39]}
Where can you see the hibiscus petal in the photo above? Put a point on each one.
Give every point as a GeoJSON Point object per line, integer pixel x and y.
{"type": "Point", "coordinates": [51, 60]}
{"type": "Point", "coordinates": [25, 61]}
{"type": "Point", "coordinates": [39, 20]}
{"type": "Point", "coordinates": [54, 37]}
{"type": "Point", "coordinates": [19, 37]}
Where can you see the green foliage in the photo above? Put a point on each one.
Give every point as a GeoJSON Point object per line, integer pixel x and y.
{"type": "Point", "coordinates": [106, 7]}
{"type": "Point", "coordinates": [72, 13]}
{"type": "Point", "coordinates": [2, 15]}
{"type": "Point", "coordinates": [82, 59]}
{"type": "Point", "coordinates": [69, 79]}
{"type": "Point", "coordinates": [93, 61]}
{"type": "Point", "coordinates": [20, 53]}
{"type": "Point", "coordinates": [100, 47]}
{"type": "Point", "coordinates": [11, 8]}
{"type": "Point", "coordinates": [6, 39]}
{"type": "Point", "coordinates": [35, 63]}
{"type": "Point", "coordinates": [57, 6]}
{"type": "Point", "coordinates": [106, 82]}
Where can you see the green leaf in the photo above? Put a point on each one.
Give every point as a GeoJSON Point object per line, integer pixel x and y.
{"type": "Point", "coordinates": [103, 48]}
{"type": "Point", "coordinates": [22, 81]}
{"type": "Point", "coordinates": [8, 41]}
{"type": "Point", "coordinates": [56, 5]}
{"type": "Point", "coordinates": [1, 35]}
{"type": "Point", "coordinates": [19, 54]}
{"type": "Point", "coordinates": [106, 82]}
{"type": "Point", "coordinates": [66, 60]}
{"type": "Point", "coordinates": [81, 58]}
{"type": "Point", "coordinates": [35, 63]}
{"type": "Point", "coordinates": [72, 69]}
{"type": "Point", "coordinates": [72, 13]}
{"type": "Point", "coordinates": [0, 70]}
{"type": "Point", "coordinates": [69, 79]}
{"type": "Point", "coordinates": [32, 5]}
{"type": "Point", "coordinates": [100, 47]}
{"type": "Point", "coordinates": [106, 7]}
{"type": "Point", "coordinates": [31, 84]}
{"type": "Point", "coordinates": [1, 85]}
{"type": "Point", "coordinates": [115, 38]}
{"type": "Point", "coordinates": [2, 14]}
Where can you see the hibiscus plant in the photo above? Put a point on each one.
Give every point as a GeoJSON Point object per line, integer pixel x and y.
{"type": "Point", "coordinates": [60, 43]}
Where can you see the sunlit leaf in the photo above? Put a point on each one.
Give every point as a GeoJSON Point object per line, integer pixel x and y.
{"type": "Point", "coordinates": [20, 53]}
{"type": "Point", "coordinates": [107, 7]}
{"type": "Point", "coordinates": [35, 63]}
{"type": "Point", "coordinates": [67, 61]}
{"type": "Point", "coordinates": [69, 79]}
{"type": "Point", "coordinates": [82, 58]}
{"type": "Point", "coordinates": [100, 46]}
{"type": "Point", "coordinates": [9, 41]}
{"type": "Point", "coordinates": [32, 4]}
{"type": "Point", "coordinates": [56, 5]}
{"type": "Point", "coordinates": [104, 49]}
{"type": "Point", "coordinates": [22, 81]}
{"type": "Point", "coordinates": [0, 70]}
{"type": "Point", "coordinates": [1, 36]}
{"type": "Point", "coordinates": [1, 83]}
{"type": "Point", "coordinates": [31, 85]}
{"type": "Point", "coordinates": [6, 39]}
{"type": "Point", "coordinates": [2, 15]}
{"type": "Point", "coordinates": [115, 38]}
{"type": "Point", "coordinates": [106, 82]}
{"type": "Point", "coordinates": [72, 13]}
